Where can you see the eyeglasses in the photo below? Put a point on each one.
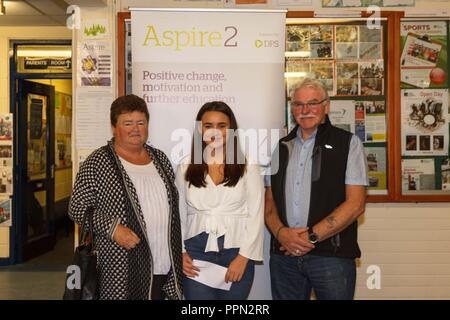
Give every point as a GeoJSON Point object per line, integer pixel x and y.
{"type": "Point", "coordinates": [310, 104]}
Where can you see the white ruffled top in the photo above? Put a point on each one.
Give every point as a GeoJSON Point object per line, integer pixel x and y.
{"type": "Point", "coordinates": [235, 212]}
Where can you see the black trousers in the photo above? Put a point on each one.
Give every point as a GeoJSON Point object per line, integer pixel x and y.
{"type": "Point", "coordinates": [158, 282]}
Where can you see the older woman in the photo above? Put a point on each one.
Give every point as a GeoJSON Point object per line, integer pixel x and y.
{"type": "Point", "coordinates": [136, 222]}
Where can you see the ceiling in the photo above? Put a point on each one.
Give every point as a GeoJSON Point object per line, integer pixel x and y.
{"type": "Point", "coordinates": [41, 12]}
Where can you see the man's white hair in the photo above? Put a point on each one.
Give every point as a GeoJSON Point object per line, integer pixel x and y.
{"type": "Point", "coordinates": [309, 83]}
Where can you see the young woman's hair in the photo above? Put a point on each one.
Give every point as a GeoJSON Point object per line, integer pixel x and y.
{"type": "Point", "coordinates": [198, 169]}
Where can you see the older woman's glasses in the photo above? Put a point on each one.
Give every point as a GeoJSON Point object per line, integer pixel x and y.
{"type": "Point", "coordinates": [310, 104]}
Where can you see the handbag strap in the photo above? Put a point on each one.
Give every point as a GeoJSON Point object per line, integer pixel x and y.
{"type": "Point", "coordinates": [88, 217]}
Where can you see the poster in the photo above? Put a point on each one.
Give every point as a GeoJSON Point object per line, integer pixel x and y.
{"type": "Point", "coordinates": [376, 162]}
{"type": "Point", "coordinates": [6, 128]}
{"type": "Point", "coordinates": [293, 3]}
{"type": "Point", "coordinates": [94, 64]}
{"type": "Point", "coordinates": [342, 114]}
{"type": "Point", "coordinates": [63, 129]}
{"type": "Point", "coordinates": [424, 54]}
{"type": "Point", "coordinates": [6, 153]}
{"type": "Point", "coordinates": [341, 3]}
{"type": "Point", "coordinates": [375, 121]}
{"type": "Point", "coordinates": [418, 174]}
{"type": "Point", "coordinates": [5, 213]}
{"type": "Point", "coordinates": [445, 175]}
{"type": "Point", "coordinates": [367, 3]}
{"type": "Point", "coordinates": [424, 122]}
{"type": "Point", "coordinates": [93, 125]}
{"type": "Point", "coordinates": [95, 29]}
{"type": "Point", "coordinates": [244, 54]}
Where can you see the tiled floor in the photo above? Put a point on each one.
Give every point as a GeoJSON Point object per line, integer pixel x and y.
{"type": "Point", "coordinates": [42, 278]}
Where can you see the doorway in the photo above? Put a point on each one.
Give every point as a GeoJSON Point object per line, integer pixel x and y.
{"type": "Point", "coordinates": [41, 80]}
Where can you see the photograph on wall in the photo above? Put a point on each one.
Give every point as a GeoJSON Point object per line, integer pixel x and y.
{"type": "Point", "coordinates": [375, 121]}
{"type": "Point", "coordinates": [6, 128]}
{"type": "Point", "coordinates": [424, 54]}
{"type": "Point", "coordinates": [323, 71]}
{"type": "Point", "coordinates": [347, 70]}
{"type": "Point", "coordinates": [445, 174]}
{"type": "Point", "coordinates": [94, 64]}
{"type": "Point", "coordinates": [399, 3]}
{"type": "Point", "coordinates": [297, 41]}
{"type": "Point", "coordinates": [418, 174]}
{"type": "Point", "coordinates": [347, 87]}
{"type": "Point", "coordinates": [373, 69]}
{"type": "Point", "coordinates": [342, 114]}
{"type": "Point", "coordinates": [424, 122]}
{"type": "Point", "coordinates": [5, 213]}
{"type": "Point", "coordinates": [291, 123]}
{"type": "Point", "coordinates": [6, 156]}
{"type": "Point", "coordinates": [341, 3]}
{"type": "Point", "coordinates": [371, 87]}
{"type": "Point", "coordinates": [297, 70]}
{"type": "Point", "coordinates": [370, 45]}
{"type": "Point", "coordinates": [376, 163]}
{"type": "Point", "coordinates": [346, 42]}
{"type": "Point", "coordinates": [321, 41]}
{"type": "Point", "coordinates": [6, 183]}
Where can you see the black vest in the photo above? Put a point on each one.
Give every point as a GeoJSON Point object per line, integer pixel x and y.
{"type": "Point", "coordinates": [329, 165]}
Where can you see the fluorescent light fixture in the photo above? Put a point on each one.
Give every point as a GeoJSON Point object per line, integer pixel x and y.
{"type": "Point", "coordinates": [44, 53]}
{"type": "Point", "coordinates": [427, 13]}
{"type": "Point", "coordinates": [337, 14]}
{"type": "Point", "coordinates": [295, 74]}
{"type": "Point", "coordinates": [2, 8]}
{"type": "Point", "coordinates": [297, 54]}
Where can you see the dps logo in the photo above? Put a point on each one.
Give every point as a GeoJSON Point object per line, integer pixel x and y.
{"type": "Point", "coordinates": [266, 43]}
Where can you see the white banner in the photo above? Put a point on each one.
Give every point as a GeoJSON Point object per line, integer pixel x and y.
{"type": "Point", "coordinates": [183, 59]}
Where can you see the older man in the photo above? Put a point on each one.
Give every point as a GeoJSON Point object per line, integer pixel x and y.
{"type": "Point", "coordinates": [313, 201]}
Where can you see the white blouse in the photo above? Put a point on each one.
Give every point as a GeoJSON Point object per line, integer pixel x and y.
{"type": "Point", "coordinates": [236, 212]}
{"type": "Point", "coordinates": [154, 204]}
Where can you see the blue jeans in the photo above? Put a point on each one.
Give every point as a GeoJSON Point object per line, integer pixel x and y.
{"type": "Point", "coordinates": [194, 290]}
{"type": "Point", "coordinates": [293, 278]}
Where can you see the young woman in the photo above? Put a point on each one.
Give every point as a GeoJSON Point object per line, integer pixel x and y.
{"type": "Point", "coordinates": [221, 206]}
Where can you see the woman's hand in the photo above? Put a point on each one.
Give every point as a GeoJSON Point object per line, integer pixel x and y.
{"type": "Point", "coordinates": [236, 269]}
{"type": "Point", "coordinates": [125, 237]}
{"type": "Point", "coordinates": [188, 267]}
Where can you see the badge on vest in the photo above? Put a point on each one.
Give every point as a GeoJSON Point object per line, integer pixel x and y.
{"type": "Point", "coordinates": [328, 146]}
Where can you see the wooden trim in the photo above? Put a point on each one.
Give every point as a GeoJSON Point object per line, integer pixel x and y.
{"type": "Point", "coordinates": [300, 14]}
{"type": "Point", "coordinates": [121, 17]}
{"type": "Point", "coordinates": [396, 164]}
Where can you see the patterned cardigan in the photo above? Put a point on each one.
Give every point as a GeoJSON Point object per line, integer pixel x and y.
{"type": "Point", "coordinates": [103, 184]}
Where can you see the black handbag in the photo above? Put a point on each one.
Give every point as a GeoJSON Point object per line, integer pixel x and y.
{"type": "Point", "coordinates": [81, 280]}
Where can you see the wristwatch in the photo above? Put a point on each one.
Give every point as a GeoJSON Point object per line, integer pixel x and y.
{"type": "Point", "coordinates": [312, 236]}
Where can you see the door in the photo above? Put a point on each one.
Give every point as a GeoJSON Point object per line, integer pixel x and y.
{"type": "Point", "coordinates": [36, 149]}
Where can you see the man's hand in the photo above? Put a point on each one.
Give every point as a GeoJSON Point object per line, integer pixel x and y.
{"type": "Point", "coordinates": [125, 237]}
{"type": "Point", "coordinates": [294, 241]}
